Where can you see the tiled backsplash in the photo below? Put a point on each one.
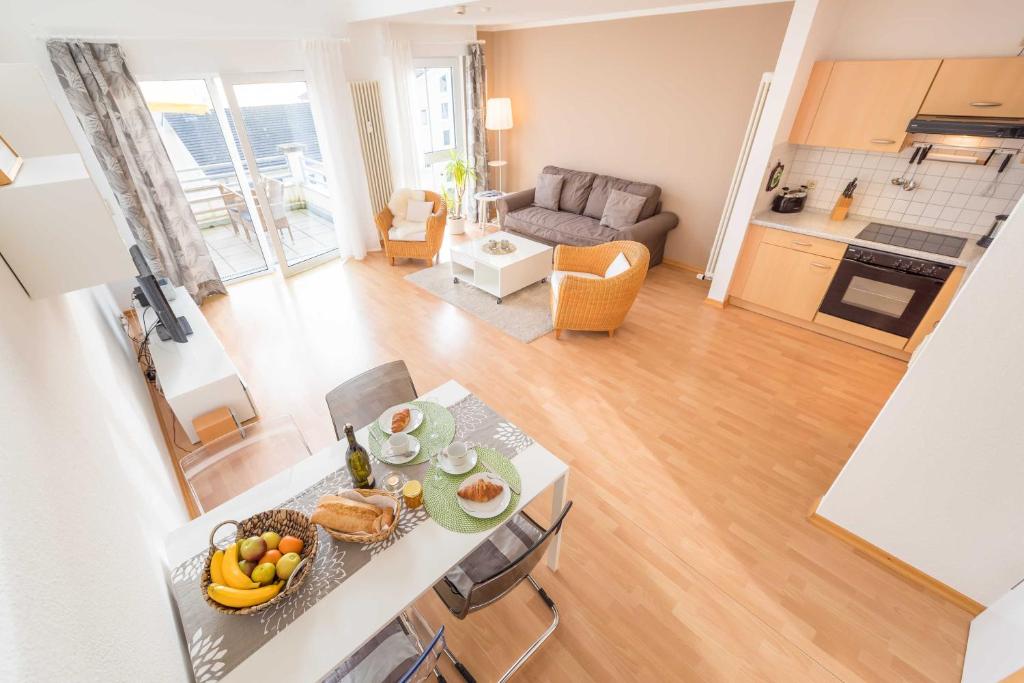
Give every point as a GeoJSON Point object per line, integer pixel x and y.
{"type": "Point", "coordinates": [952, 196]}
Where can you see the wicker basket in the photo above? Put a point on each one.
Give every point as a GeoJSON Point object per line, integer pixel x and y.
{"type": "Point", "coordinates": [367, 538]}
{"type": "Point", "coordinates": [284, 522]}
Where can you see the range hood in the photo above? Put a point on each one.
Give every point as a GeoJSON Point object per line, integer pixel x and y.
{"type": "Point", "coordinates": [968, 125]}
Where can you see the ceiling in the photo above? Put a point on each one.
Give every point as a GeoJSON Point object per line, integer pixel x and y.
{"type": "Point", "coordinates": [503, 14]}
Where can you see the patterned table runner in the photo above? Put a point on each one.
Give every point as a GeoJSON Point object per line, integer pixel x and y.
{"type": "Point", "coordinates": [436, 432]}
{"type": "Point", "coordinates": [219, 642]}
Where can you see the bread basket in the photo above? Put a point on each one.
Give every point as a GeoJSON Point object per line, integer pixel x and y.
{"type": "Point", "coordinates": [283, 521]}
{"type": "Point", "coordinates": [363, 537]}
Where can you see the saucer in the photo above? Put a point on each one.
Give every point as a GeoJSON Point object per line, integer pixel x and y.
{"type": "Point", "coordinates": [386, 455]}
{"type": "Point", "coordinates": [442, 461]}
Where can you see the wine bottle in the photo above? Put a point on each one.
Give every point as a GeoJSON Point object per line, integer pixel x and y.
{"type": "Point", "coordinates": [358, 461]}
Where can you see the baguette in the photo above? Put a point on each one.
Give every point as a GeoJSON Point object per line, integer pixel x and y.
{"type": "Point", "coordinates": [342, 514]}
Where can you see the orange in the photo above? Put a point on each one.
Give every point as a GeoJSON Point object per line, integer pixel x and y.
{"type": "Point", "coordinates": [271, 556]}
{"type": "Point", "coordinates": [290, 544]}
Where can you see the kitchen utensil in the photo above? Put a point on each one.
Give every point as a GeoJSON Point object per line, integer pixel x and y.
{"type": "Point", "coordinates": [990, 189]}
{"type": "Point", "coordinates": [911, 185]}
{"type": "Point", "coordinates": [986, 239]}
{"type": "Point", "coordinates": [850, 187]}
{"type": "Point", "coordinates": [903, 178]}
{"type": "Point", "coordinates": [790, 201]}
{"type": "Point", "coordinates": [483, 463]}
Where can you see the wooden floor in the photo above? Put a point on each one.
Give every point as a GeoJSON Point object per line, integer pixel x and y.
{"type": "Point", "coordinates": [697, 439]}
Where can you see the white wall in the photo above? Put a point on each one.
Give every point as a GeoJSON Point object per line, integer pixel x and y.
{"type": "Point", "coordinates": [86, 495]}
{"type": "Point", "coordinates": [937, 481]}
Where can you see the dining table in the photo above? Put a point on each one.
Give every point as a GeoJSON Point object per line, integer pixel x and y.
{"type": "Point", "coordinates": [306, 638]}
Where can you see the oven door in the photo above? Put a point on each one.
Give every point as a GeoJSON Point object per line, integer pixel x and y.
{"type": "Point", "coordinates": [882, 298]}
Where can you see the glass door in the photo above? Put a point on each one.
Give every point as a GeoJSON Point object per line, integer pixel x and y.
{"type": "Point", "coordinates": [208, 170]}
{"type": "Point", "coordinates": [272, 125]}
{"type": "Point", "coordinates": [438, 116]}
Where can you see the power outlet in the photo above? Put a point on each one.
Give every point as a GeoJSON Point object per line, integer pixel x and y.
{"type": "Point", "coordinates": [811, 184]}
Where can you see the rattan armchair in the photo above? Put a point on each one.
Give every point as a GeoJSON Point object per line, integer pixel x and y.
{"type": "Point", "coordinates": [418, 249]}
{"type": "Point", "coordinates": [597, 305]}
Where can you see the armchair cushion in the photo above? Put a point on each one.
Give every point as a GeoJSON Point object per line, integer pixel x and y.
{"type": "Point", "coordinates": [618, 266]}
{"type": "Point", "coordinates": [408, 231]}
{"type": "Point", "coordinates": [418, 212]}
{"type": "Point", "coordinates": [400, 200]}
{"type": "Point", "coordinates": [558, 276]}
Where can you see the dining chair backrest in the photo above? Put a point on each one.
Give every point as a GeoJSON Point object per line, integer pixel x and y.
{"type": "Point", "coordinates": [425, 666]}
{"type": "Point", "coordinates": [360, 400]}
{"type": "Point", "coordinates": [234, 463]}
{"type": "Point", "coordinates": [486, 591]}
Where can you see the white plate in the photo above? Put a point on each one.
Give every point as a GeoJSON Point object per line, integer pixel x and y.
{"type": "Point", "coordinates": [447, 466]}
{"type": "Point", "coordinates": [385, 452]}
{"type": "Point", "coordinates": [415, 418]}
{"type": "Point", "coordinates": [491, 508]}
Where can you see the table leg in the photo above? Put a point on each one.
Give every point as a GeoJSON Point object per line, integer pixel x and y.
{"type": "Point", "coordinates": [557, 503]}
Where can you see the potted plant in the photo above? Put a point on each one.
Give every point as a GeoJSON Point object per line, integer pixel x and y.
{"type": "Point", "coordinates": [458, 172]}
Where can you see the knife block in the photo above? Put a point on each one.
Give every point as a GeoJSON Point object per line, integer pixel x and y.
{"type": "Point", "coordinates": [841, 208]}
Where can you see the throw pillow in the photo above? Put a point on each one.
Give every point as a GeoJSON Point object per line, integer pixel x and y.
{"type": "Point", "coordinates": [400, 199]}
{"type": "Point", "coordinates": [549, 187]}
{"type": "Point", "coordinates": [622, 209]}
{"type": "Point", "coordinates": [418, 212]}
{"type": "Point", "coordinates": [617, 267]}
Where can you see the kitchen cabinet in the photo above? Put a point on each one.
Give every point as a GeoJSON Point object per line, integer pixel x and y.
{"type": "Point", "coordinates": [788, 281]}
{"type": "Point", "coordinates": [978, 87]}
{"type": "Point", "coordinates": [862, 104]}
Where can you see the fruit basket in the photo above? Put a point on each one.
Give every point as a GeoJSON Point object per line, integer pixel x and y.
{"type": "Point", "coordinates": [377, 497]}
{"type": "Point", "coordinates": [281, 522]}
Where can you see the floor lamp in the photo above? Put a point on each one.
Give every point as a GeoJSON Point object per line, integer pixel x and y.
{"type": "Point", "coordinates": [499, 118]}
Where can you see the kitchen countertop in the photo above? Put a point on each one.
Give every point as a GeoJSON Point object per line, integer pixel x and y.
{"type": "Point", "coordinates": [818, 224]}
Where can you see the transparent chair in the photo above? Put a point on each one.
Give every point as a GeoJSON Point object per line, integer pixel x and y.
{"type": "Point", "coordinates": [361, 400]}
{"type": "Point", "coordinates": [405, 651]}
{"type": "Point", "coordinates": [279, 212]}
{"type": "Point", "coordinates": [500, 564]}
{"type": "Point", "coordinates": [234, 463]}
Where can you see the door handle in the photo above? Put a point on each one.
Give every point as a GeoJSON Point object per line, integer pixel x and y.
{"type": "Point", "coordinates": [986, 104]}
{"type": "Point", "coordinates": [882, 141]}
{"type": "Point", "coordinates": [820, 265]}
{"type": "Point", "coordinates": [802, 244]}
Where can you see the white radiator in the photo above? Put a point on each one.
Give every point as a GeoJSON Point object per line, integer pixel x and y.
{"type": "Point", "coordinates": [737, 174]}
{"type": "Point", "coordinates": [370, 118]}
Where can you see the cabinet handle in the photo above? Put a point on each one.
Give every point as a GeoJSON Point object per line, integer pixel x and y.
{"type": "Point", "coordinates": [882, 141]}
{"type": "Point", "coordinates": [986, 104]}
{"type": "Point", "coordinates": [820, 265]}
{"type": "Point", "coordinates": [802, 244]}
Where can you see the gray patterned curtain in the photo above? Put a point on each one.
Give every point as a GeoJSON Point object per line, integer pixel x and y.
{"type": "Point", "coordinates": [109, 105]}
{"type": "Point", "coordinates": [476, 97]}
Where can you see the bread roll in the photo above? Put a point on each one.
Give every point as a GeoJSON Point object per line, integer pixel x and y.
{"type": "Point", "coordinates": [343, 514]}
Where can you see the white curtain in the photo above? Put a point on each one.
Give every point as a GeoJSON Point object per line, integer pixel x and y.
{"type": "Point", "coordinates": [406, 156]}
{"type": "Point", "coordinates": [335, 119]}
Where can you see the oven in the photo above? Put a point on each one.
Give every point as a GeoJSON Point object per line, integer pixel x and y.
{"type": "Point", "coordinates": [886, 291]}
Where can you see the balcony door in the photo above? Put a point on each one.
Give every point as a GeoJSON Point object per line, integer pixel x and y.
{"type": "Point", "coordinates": [272, 127]}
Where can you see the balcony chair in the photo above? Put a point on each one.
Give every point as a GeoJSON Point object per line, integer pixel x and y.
{"type": "Point", "coordinates": [279, 213]}
{"type": "Point", "coordinates": [500, 564]}
{"type": "Point", "coordinates": [234, 204]}
{"type": "Point", "coordinates": [586, 295]}
{"type": "Point", "coordinates": [404, 239]}
{"type": "Point", "coordinates": [360, 400]}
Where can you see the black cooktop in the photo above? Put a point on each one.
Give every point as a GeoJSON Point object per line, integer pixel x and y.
{"type": "Point", "coordinates": [921, 240]}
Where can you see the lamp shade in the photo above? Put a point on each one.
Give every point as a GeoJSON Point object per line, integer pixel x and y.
{"type": "Point", "coordinates": [499, 114]}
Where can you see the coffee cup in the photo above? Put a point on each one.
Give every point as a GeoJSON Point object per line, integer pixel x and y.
{"type": "Point", "coordinates": [399, 443]}
{"type": "Point", "coordinates": [457, 454]}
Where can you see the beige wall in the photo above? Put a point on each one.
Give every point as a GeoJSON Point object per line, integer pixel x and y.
{"type": "Point", "coordinates": [659, 99]}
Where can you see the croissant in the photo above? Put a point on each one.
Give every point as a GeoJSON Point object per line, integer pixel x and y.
{"type": "Point", "coordinates": [400, 420]}
{"type": "Point", "coordinates": [481, 491]}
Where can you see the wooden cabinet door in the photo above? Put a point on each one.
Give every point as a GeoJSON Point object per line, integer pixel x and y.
{"type": "Point", "coordinates": [789, 281]}
{"type": "Point", "coordinates": [867, 105]}
{"type": "Point", "coordinates": [978, 87]}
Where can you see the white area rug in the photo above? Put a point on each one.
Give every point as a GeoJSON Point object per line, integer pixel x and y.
{"type": "Point", "coordinates": [525, 315]}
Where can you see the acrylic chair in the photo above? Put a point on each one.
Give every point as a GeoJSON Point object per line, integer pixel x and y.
{"type": "Point", "coordinates": [232, 464]}
{"type": "Point", "coordinates": [496, 567]}
{"type": "Point", "coordinates": [361, 400]}
{"type": "Point", "coordinates": [406, 650]}
{"type": "Point", "coordinates": [279, 214]}
{"type": "Point", "coordinates": [234, 204]}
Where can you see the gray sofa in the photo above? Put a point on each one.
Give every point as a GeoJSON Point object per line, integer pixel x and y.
{"type": "Point", "coordinates": [578, 219]}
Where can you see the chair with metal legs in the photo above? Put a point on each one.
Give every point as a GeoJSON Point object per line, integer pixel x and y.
{"type": "Point", "coordinates": [361, 400]}
{"type": "Point", "coordinates": [503, 562]}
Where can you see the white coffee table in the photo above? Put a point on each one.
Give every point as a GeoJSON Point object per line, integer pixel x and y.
{"type": "Point", "coordinates": [504, 274]}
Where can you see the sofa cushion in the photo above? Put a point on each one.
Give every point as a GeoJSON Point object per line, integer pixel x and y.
{"type": "Point", "coordinates": [603, 186]}
{"type": "Point", "coordinates": [549, 189]}
{"type": "Point", "coordinates": [558, 227]}
{"type": "Point", "coordinates": [575, 188]}
{"type": "Point", "coordinates": [621, 210]}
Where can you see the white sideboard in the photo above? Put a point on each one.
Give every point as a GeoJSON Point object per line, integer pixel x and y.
{"type": "Point", "coordinates": [198, 376]}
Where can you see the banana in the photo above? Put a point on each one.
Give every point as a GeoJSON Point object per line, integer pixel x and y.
{"type": "Point", "coordinates": [233, 576]}
{"type": "Point", "coordinates": [216, 575]}
{"type": "Point", "coordinates": [234, 597]}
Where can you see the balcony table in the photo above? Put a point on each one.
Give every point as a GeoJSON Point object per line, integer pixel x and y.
{"type": "Point", "coordinates": [368, 599]}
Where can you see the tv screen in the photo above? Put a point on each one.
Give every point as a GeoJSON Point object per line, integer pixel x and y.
{"type": "Point", "coordinates": [149, 293]}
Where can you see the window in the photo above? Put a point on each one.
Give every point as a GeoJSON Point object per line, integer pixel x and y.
{"type": "Point", "coordinates": [423, 117]}
{"type": "Point", "coordinates": [447, 137]}
{"type": "Point", "coordinates": [444, 110]}
{"type": "Point", "coordinates": [443, 83]}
